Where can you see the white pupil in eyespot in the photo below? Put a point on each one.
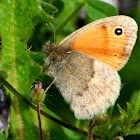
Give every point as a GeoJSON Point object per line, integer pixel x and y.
{"type": "Point", "coordinates": [118, 31]}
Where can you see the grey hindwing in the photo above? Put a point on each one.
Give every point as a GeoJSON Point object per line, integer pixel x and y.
{"type": "Point", "coordinates": [72, 73]}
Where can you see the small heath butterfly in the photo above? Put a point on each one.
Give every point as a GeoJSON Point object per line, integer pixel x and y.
{"type": "Point", "coordinates": [86, 62]}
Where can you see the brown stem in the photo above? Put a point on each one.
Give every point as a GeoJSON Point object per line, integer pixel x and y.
{"type": "Point", "coordinates": [90, 127]}
{"type": "Point", "coordinates": [39, 121]}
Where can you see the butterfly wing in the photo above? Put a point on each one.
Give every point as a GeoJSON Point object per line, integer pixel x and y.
{"type": "Point", "coordinates": [87, 84]}
{"type": "Point", "coordinates": [101, 40]}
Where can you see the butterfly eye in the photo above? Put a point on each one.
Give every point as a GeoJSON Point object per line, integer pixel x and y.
{"type": "Point", "coordinates": [118, 31]}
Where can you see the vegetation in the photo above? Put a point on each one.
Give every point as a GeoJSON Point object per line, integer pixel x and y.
{"type": "Point", "coordinates": [23, 31]}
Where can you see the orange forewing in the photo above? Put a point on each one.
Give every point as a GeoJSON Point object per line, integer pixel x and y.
{"type": "Point", "coordinates": [101, 43]}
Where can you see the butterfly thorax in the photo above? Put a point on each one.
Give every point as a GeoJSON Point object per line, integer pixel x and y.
{"type": "Point", "coordinates": [53, 54]}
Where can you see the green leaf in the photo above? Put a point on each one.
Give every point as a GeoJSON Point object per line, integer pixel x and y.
{"type": "Point", "coordinates": [134, 131]}
{"type": "Point", "coordinates": [97, 9]}
{"type": "Point", "coordinates": [3, 74]}
{"type": "Point", "coordinates": [130, 112]}
{"type": "Point", "coordinates": [129, 108]}
{"type": "Point", "coordinates": [136, 108]}
{"type": "Point", "coordinates": [17, 19]}
{"type": "Point", "coordinates": [137, 124]}
{"type": "Point", "coordinates": [2, 136]}
{"type": "Point", "coordinates": [123, 113]}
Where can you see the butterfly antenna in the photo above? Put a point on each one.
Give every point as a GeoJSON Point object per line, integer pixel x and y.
{"type": "Point", "coordinates": [53, 30]}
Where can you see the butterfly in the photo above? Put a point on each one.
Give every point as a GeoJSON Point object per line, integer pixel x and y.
{"type": "Point", "coordinates": [86, 62]}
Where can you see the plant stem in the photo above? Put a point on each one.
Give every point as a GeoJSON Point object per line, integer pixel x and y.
{"type": "Point", "coordinates": [90, 127]}
{"type": "Point", "coordinates": [39, 121]}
